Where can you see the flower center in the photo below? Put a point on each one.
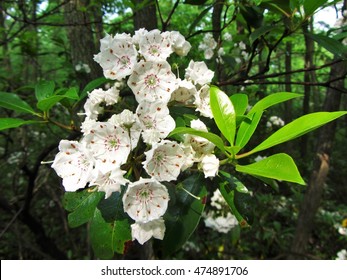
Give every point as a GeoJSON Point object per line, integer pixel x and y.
{"type": "Point", "coordinates": [144, 195]}
{"type": "Point", "coordinates": [112, 143]}
{"type": "Point", "coordinates": [124, 61]}
{"type": "Point", "coordinates": [152, 81]}
{"type": "Point", "coordinates": [154, 50]}
{"type": "Point", "coordinates": [148, 122]}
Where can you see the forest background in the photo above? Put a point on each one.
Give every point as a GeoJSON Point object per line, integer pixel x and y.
{"type": "Point", "coordinates": [274, 46]}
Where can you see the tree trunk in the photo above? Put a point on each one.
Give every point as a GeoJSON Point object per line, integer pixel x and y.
{"type": "Point", "coordinates": [145, 17]}
{"type": "Point", "coordinates": [82, 44]}
{"type": "Point", "coordinates": [309, 52]}
{"type": "Point", "coordinates": [288, 116]}
{"type": "Point", "coordinates": [320, 170]}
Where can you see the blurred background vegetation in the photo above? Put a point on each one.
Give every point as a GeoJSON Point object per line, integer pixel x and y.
{"type": "Point", "coordinates": [275, 46]}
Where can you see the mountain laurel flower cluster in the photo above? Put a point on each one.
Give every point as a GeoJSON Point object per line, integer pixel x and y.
{"type": "Point", "coordinates": [129, 151]}
{"type": "Point", "coordinates": [218, 218]}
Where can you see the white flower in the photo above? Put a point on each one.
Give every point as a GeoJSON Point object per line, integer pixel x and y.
{"type": "Point", "coordinates": [242, 45]}
{"type": "Point", "coordinates": [208, 54]}
{"type": "Point", "coordinates": [74, 163]}
{"type": "Point", "coordinates": [217, 200]}
{"type": "Point", "coordinates": [145, 200]}
{"type": "Point", "coordinates": [92, 109]}
{"type": "Point", "coordinates": [201, 145]}
{"type": "Point", "coordinates": [199, 73]}
{"type": "Point", "coordinates": [109, 144]}
{"type": "Point", "coordinates": [228, 36]}
{"type": "Point", "coordinates": [117, 56]}
{"type": "Point", "coordinates": [87, 125]}
{"type": "Point", "coordinates": [164, 161]}
{"type": "Point", "coordinates": [142, 232]}
{"type": "Point", "coordinates": [185, 92]}
{"type": "Point", "coordinates": [155, 121]}
{"type": "Point", "coordinates": [274, 120]}
{"type": "Point", "coordinates": [342, 255]}
{"type": "Point", "coordinates": [259, 158]}
{"type": "Point", "coordinates": [179, 44]}
{"type": "Point", "coordinates": [208, 45]}
{"type": "Point", "coordinates": [109, 182]}
{"type": "Point", "coordinates": [210, 165]}
{"type": "Point", "coordinates": [220, 223]}
{"type": "Point", "coordinates": [155, 46]}
{"type": "Point", "coordinates": [111, 96]}
{"type": "Point", "coordinates": [129, 122]}
{"type": "Point", "coordinates": [202, 102]}
{"type": "Point", "coordinates": [152, 81]}
{"type": "Point", "coordinates": [138, 35]}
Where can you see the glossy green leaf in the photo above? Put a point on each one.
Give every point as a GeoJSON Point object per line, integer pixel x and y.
{"type": "Point", "coordinates": [237, 197]}
{"type": "Point", "coordinates": [310, 6]}
{"type": "Point", "coordinates": [44, 89]}
{"type": "Point", "coordinates": [273, 99]}
{"type": "Point", "coordinates": [332, 45]}
{"type": "Point", "coordinates": [240, 103]}
{"type": "Point", "coordinates": [72, 93]}
{"type": "Point", "coordinates": [279, 166]}
{"type": "Point", "coordinates": [297, 128]}
{"type": "Point", "coordinates": [223, 113]}
{"type": "Point", "coordinates": [82, 205]}
{"type": "Point", "coordinates": [14, 102]}
{"type": "Point", "coordinates": [215, 139]}
{"type": "Point", "coordinates": [112, 212]}
{"type": "Point", "coordinates": [107, 238]}
{"type": "Point", "coordinates": [6, 123]}
{"type": "Point", "coordinates": [47, 103]}
{"type": "Point", "coordinates": [247, 129]}
{"type": "Point", "coordinates": [184, 213]}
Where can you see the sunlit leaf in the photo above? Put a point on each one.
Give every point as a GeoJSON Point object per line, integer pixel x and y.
{"type": "Point", "coordinates": [297, 128]}
{"type": "Point", "coordinates": [223, 113]}
{"type": "Point", "coordinates": [279, 166]}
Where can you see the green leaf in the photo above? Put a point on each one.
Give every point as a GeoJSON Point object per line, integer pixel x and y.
{"type": "Point", "coordinates": [106, 238]}
{"type": "Point", "coordinates": [82, 205]}
{"type": "Point", "coordinates": [184, 213]}
{"type": "Point", "coordinates": [310, 6]}
{"type": "Point", "coordinates": [215, 139]}
{"type": "Point", "coordinates": [237, 197]}
{"type": "Point", "coordinates": [92, 85]}
{"type": "Point", "coordinates": [112, 212]}
{"type": "Point", "coordinates": [6, 123]}
{"type": "Point", "coordinates": [297, 128]}
{"type": "Point", "coordinates": [240, 103]}
{"type": "Point", "coordinates": [47, 103]}
{"type": "Point", "coordinates": [247, 129]}
{"type": "Point", "coordinates": [14, 102]}
{"type": "Point", "coordinates": [279, 166]}
{"type": "Point", "coordinates": [44, 89]}
{"type": "Point", "coordinates": [72, 93]}
{"type": "Point", "coordinates": [223, 113]}
{"type": "Point", "coordinates": [273, 99]}
{"type": "Point", "coordinates": [330, 44]}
